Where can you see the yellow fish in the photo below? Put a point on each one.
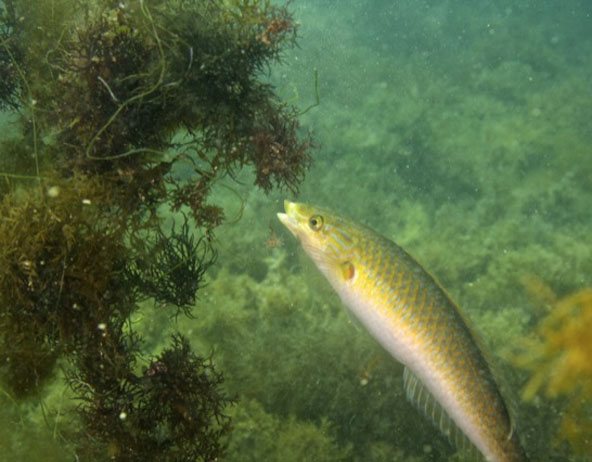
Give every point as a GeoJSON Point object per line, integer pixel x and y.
{"type": "Point", "coordinates": [413, 318]}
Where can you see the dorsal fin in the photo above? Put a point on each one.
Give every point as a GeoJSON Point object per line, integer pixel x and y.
{"type": "Point", "coordinates": [421, 398]}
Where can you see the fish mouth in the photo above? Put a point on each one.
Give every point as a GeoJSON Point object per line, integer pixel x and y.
{"type": "Point", "coordinates": [288, 219]}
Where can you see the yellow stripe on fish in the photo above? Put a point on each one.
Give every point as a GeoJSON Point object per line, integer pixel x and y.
{"type": "Point", "coordinates": [411, 316]}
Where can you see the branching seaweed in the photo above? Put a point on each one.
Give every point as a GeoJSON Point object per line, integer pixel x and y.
{"type": "Point", "coordinates": [171, 267]}
{"type": "Point", "coordinates": [173, 412]}
{"type": "Point", "coordinates": [560, 365]}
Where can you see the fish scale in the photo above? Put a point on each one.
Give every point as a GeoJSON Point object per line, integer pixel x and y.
{"type": "Point", "coordinates": [405, 309]}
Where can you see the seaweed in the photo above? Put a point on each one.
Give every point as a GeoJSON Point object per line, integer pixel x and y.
{"type": "Point", "coordinates": [11, 55]}
{"type": "Point", "coordinates": [100, 92]}
{"type": "Point", "coordinates": [559, 362]}
{"type": "Point", "coordinates": [171, 267]}
{"type": "Point", "coordinates": [278, 156]}
{"type": "Point", "coordinates": [111, 83]}
{"type": "Point", "coordinates": [54, 291]}
{"type": "Point", "coordinates": [174, 411]}
{"type": "Point", "coordinates": [126, 77]}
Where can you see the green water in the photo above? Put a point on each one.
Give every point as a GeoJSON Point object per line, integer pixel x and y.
{"type": "Point", "coordinates": [460, 129]}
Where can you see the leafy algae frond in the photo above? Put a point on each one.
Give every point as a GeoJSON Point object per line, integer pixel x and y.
{"type": "Point", "coordinates": [560, 363]}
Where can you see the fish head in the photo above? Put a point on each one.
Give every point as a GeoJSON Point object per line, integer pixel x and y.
{"type": "Point", "coordinates": [326, 237]}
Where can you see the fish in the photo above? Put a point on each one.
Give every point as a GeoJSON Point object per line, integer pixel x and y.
{"type": "Point", "coordinates": [447, 371]}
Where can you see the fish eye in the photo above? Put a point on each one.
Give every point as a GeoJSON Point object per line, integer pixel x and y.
{"type": "Point", "coordinates": [315, 222]}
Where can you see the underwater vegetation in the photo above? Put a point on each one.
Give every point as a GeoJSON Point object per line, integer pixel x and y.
{"type": "Point", "coordinates": [559, 361]}
{"type": "Point", "coordinates": [171, 267]}
{"type": "Point", "coordinates": [107, 102]}
{"type": "Point", "coordinates": [105, 88]}
{"type": "Point", "coordinates": [54, 291]}
{"type": "Point", "coordinates": [10, 82]}
{"type": "Point", "coordinates": [173, 411]}
{"type": "Point", "coordinates": [282, 439]}
{"type": "Point", "coordinates": [126, 76]}
{"type": "Point", "coordinates": [68, 288]}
